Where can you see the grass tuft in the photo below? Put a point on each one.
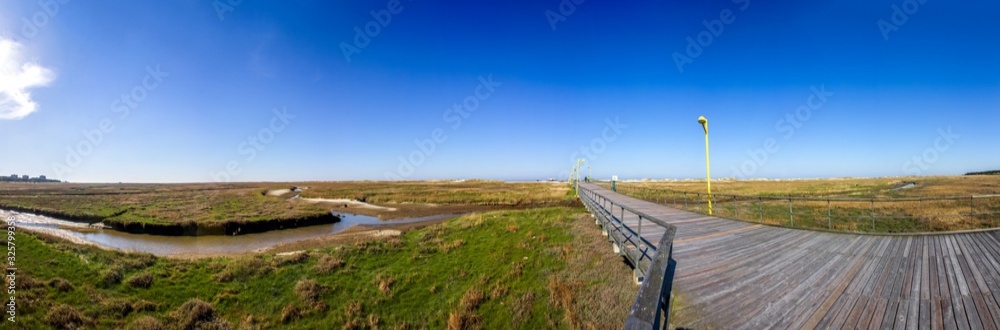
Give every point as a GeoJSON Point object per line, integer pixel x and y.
{"type": "Point", "coordinates": [384, 284]}
{"type": "Point", "coordinates": [290, 313]}
{"type": "Point", "coordinates": [61, 285]}
{"type": "Point", "coordinates": [327, 264]}
{"type": "Point", "coordinates": [146, 323]}
{"type": "Point", "coordinates": [65, 317]}
{"type": "Point", "coordinates": [309, 291]}
{"type": "Point", "coordinates": [197, 314]}
{"type": "Point", "coordinates": [142, 280]}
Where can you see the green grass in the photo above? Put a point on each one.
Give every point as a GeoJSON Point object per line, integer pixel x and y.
{"type": "Point", "coordinates": [503, 269]}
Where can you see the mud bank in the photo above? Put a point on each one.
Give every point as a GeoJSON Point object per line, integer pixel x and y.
{"type": "Point", "coordinates": [55, 214]}
{"type": "Point", "coordinates": [349, 227]}
{"type": "Point", "coordinates": [229, 228]}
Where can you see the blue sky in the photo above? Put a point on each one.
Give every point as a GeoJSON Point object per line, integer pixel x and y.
{"type": "Point", "coordinates": [202, 91]}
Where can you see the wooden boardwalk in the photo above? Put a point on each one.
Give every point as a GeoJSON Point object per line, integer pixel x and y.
{"type": "Point", "coordinates": [735, 274]}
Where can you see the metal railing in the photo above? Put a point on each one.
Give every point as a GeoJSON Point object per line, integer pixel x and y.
{"type": "Point", "coordinates": [653, 264]}
{"type": "Point", "coordinates": [875, 215]}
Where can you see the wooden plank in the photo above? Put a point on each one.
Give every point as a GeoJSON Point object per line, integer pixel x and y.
{"type": "Point", "coordinates": [914, 275]}
{"type": "Point", "coordinates": [826, 306]}
{"type": "Point", "coordinates": [879, 314]}
{"type": "Point", "coordinates": [979, 311]}
{"type": "Point", "coordinates": [925, 314]}
{"type": "Point", "coordinates": [957, 289]}
{"type": "Point", "coordinates": [854, 317]}
{"type": "Point", "coordinates": [990, 275]}
{"type": "Point", "coordinates": [901, 312]}
{"type": "Point", "coordinates": [962, 317]}
{"type": "Point", "coordinates": [890, 314]}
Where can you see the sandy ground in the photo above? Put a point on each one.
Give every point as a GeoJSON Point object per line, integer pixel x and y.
{"type": "Point", "coordinates": [349, 203]}
{"type": "Point", "coordinates": [29, 222]}
{"type": "Point", "coordinates": [278, 192]}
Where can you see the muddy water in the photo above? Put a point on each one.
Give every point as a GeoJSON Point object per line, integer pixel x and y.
{"type": "Point", "coordinates": [193, 245]}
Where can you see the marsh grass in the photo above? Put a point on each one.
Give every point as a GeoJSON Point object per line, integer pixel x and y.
{"type": "Point", "coordinates": [554, 271]}
{"type": "Point", "coordinates": [857, 205]}
{"type": "Point", "coordinates": [154, 204]}
{"type": "Point", "coordinates": [211, 203]}
{"type": "Point", "coordinates": [477, 192]}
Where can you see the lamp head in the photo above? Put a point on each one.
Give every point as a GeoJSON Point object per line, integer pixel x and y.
{"type": "Point", "coordinates": [704, 123]}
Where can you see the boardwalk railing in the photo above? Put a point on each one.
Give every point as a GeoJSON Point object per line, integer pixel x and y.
{"type": "Point", "coordinates": [878, 215]}
{"type": "Point", "coordinates": [653, 264]}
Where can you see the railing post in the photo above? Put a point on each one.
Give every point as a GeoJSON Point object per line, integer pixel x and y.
{"type": "Point", "coordinates": [972, 209]}
{"type": "Point", "coordinates": [829, 215]}
{"type": "Point", "coordinates": [685, 200]}
{"type": "Point", "coordinates": [760, 204]}
{"type": "Point", "coordinates": [791, 212]}
{"type": "Point", "coordinates": [639, 241]}
{"type": "Point", "coordinates": [873, 213]}
{"type": "Point", "coordinates": [736, 207]}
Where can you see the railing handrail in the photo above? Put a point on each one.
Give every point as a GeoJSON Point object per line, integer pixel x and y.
{"type": "Point", "coordinates": [640, 214]}
{"type": "Point", "coordinates": [645, 311]}
{"type": "Point", "coordinates": [644, 215]}
{"type": "Point", "coordinates": [652, 303]}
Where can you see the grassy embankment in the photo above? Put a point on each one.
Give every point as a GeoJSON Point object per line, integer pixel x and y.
{"type": "Point", "coordinates": [167, 207]}
{"type": "Point", "coordinates": [538, 268]}
{"type": "Point", "coordinates": [422, 198]}
{"type": "Point", "coordinates": [212, 208]}
{"type": "Point", "coordinates": [851, 208]}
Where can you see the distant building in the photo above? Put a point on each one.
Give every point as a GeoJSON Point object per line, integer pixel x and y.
{"type": "Point", "coordinates": [26, 178]}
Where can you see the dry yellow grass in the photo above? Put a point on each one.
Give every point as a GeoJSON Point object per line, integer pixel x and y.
{"type": "Point", "coordinates": [867, 205]}
{"type": "Point", "coordinates": [842, 187]}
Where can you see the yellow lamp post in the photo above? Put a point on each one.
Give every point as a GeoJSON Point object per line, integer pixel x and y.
{"type": "Point", "coordinates": [708, 168]}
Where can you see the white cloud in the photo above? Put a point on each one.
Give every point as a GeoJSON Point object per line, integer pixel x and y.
{"type": "Point", "coordinates": [16, 77]}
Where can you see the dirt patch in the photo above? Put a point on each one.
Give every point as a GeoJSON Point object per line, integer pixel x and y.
{"type": "Point", "coordinates": [345, 203]}
{"type": "Point", "coordinates": [278, 192]}
{"type": "Point", "coordinates": [356, 234]}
